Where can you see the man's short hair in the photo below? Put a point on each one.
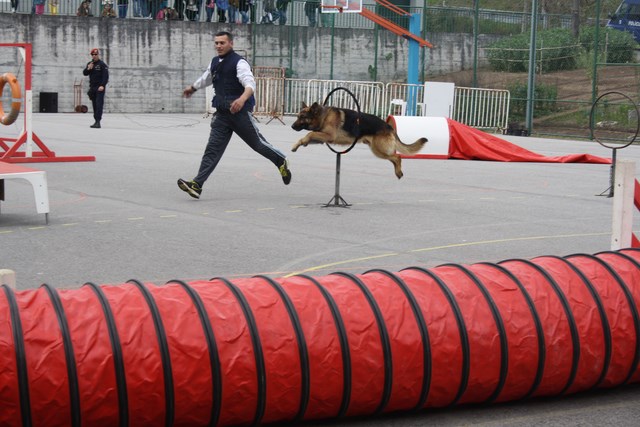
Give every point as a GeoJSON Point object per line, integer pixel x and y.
{"type": "Point", "coordinates": [225, 33]}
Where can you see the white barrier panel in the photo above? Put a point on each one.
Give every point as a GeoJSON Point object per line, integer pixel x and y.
{"type": "Point", "coordinates": [435, 129]}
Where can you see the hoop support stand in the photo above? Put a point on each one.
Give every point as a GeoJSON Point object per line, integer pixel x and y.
{"type": "Point", "coordinates": [27, 137]}
{"type": "Point", "coordinates": [337, 200]}
{"type": "Point", "coordinates": [612, 174]}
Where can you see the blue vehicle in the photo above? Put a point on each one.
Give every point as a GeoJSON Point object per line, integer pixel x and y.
{"type": "Point", "coordinates": [627, 18]}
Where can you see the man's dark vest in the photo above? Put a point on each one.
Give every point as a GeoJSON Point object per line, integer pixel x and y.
{"type": "Point", "coordinates": [226, 84]}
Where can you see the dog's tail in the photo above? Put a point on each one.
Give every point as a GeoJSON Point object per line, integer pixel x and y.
{"type": "Point", "coordinates": [403, 148]}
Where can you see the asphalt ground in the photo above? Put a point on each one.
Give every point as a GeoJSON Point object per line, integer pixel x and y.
{"type": "Point", "coordinates": [123, 217]}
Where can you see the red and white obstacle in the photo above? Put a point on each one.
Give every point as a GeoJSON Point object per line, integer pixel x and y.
{"type": "Point", "coordinates": [449, 139]}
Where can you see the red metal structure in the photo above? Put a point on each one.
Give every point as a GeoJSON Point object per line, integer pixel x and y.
{"type": "Point", "coordinates": [259, 350]}
{"type": "Point", "coordinates": [394, 28]}
{"type": "Point", "coordinates": [10, 148]}
{"type": "Point", "coordinates": [636, 202]}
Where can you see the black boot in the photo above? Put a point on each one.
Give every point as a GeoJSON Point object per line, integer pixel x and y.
{"type": "Point", "coordinates": [96, 125]}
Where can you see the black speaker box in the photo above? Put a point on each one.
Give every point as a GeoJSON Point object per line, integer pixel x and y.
{"type": "Point", "coordinates": [48, 102]}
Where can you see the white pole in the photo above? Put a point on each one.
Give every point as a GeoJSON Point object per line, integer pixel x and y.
{"type": "Point", "coordinates": [624, 183]}
{"type": "Point", "coordinates": [29, 120]}
{"type": "Point", "coordinates": [28, 117]}
{"type": "Point", "coordinates": [8, 277]}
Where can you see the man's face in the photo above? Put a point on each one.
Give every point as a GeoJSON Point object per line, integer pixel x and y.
{"type": "Point", "coordinates": [95, 57]}
{"type": "Point", "coordinates": [223, 45]}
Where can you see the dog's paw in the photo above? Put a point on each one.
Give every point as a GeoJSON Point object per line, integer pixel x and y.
{"type": "Point", "coordinates": [294, 148]}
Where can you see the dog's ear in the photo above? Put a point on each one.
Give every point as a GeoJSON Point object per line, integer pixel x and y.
{"type": "Point", "coordinates": [316, 106]}
{"type": "Point", "coordinates": [304, 105]}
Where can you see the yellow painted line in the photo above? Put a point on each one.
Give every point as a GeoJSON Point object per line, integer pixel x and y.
{"type": "Point", "coordinates": [6, 232]}
{"type": "Point", "coordinates": [266, 209]}
{"type": "Point", "coordinates": [348, 261]}
{"type": "Point", "coordinates": [487, 198]}
{"type": "Point", "coordinates": [168, 216]}
{"type": "Point", "coordinates": [364, 203]}
{"type": "Point", "coordinates": [235, 211]}
{"type": "Point", "coordinates": [36, 228]}
{"type": "Point", "coordinates": [297, 206]}
{"type": "Point", "coordinates": [137, 218]}
{"type": "Point", "coordinates": [69, 224]}
{"type": "Point", "coordinates": [515, 239]}
{"type": "Point", "coordinates": [205, 213]}
{"type": "Point", "coordinates": [103, 221]}
{"type": "Point", "coordinates": [435, 248]}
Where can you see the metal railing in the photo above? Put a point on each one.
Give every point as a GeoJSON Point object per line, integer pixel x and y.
{"type": "Point", "coordinates": [475, 107]}
{"type": "Point", "coordinates": [481, 108]}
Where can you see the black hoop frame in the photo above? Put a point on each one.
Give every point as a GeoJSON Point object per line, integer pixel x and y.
{"type": "Point", "coordinates": [357, 120]}
{"type": "Point", "coordinates": [591, 120]}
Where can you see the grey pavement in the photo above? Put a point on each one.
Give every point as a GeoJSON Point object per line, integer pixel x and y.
{"type": "Point", "coordinates": [123, 217]}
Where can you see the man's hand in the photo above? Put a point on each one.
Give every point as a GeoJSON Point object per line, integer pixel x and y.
{"type": "Point", "coordinates": [188, 91]}
{"type": "Point", "coordinates": [236, 105]}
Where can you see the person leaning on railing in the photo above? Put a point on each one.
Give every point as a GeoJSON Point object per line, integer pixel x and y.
{"type": "Point", "coordinates": [108, 11]}
{"type": "Point", "coordinates": [85, 8]}
{"type": "Point", "coordinates": [123, 7]}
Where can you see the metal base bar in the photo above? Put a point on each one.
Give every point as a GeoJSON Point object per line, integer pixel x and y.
{"type": "Point", "coordinates": [337, 200]}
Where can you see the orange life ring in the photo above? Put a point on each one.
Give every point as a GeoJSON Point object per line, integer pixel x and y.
{"type": "Point", "coordinates": [16, 97]}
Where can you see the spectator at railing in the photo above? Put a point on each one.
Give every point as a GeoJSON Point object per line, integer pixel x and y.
{"type": "Point", "coordinates": [53, 6]}
{"type": "Point", "coordinates": [210, 8]}
{"type": "Point", "coordinates": [154, 8]}
{"type": "Point", "coordinates": [252, 10]}
{"type": "Point", "coordinates": [107, 10]}
{"type": "Point", "coordinates": [310, 9]}
{"type": "Point", "coordinates": [14, 5]}
{"type": "Point", "coordinates": [85, 8]}
{"type": "Point", "coordinates": [123, 7]}
{"type": "Point", "coordinates": [282, 6]}
{"type": "Point", "coordinates": [243, 9]}
{"type": "Point", "coordinates": [167, 14]}
{"type": "Point", "coordinates": [270, 12]}
{"type": "Point", "coordinates": [38, 7]}
{"type": "Point", "coordinates": [193, 10]}
{"type": "Point", "coordinates": [140, 9]}
{"type": "Point", "coordinates": [231, 12]}
{"type": "Point", "coordinates": [222, 6]}
{"type": "Point", "coordinates": [178, 6]}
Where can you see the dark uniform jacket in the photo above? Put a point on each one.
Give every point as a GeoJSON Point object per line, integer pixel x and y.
{"type": "Point", "coordinates": [99, 75]}
{"type": "Point", "coordinates": [226, 84]}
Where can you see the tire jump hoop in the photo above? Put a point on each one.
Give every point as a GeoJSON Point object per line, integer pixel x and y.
{"type": "Point", "coordinates": [337, 200]}
{"type": "Point", "coordinates": [16, 99]}
{"type": "Point", "coordinates": [614, 147]}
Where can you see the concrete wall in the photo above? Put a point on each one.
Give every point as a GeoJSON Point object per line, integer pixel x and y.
{"type": "Point", "coordinates": [150, 61]}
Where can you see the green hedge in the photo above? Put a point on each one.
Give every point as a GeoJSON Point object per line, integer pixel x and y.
{"type": "Point", "coordinates": [556, 50]}
{"type": "Point", "coordinates": [450, 22]}
{"type": "Point", "coordinates": [619, 45]}
{"type": "Point", "coordinates": [544, 104]}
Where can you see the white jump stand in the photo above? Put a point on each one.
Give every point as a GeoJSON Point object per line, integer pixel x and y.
{"type": "Point", "coordinates": [393, 106]}
{"type": "Point", "coordinates": [37, 179]}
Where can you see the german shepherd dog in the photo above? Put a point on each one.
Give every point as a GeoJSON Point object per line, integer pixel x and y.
{"type": "Point", "coordinates": [341, 126]}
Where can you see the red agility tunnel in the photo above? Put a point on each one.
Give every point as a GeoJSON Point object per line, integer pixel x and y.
{"type": "Point", "coordinates": [258, 350]}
